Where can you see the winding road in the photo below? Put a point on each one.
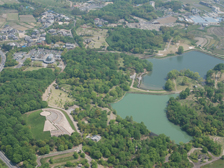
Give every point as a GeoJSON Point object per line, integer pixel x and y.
{"type": "Point", "coordinates": [198, 164]}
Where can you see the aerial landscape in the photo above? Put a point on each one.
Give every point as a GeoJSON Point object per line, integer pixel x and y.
{"type": "Point", "coordinates": [111, 84]}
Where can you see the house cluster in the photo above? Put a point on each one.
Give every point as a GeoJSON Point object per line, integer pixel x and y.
{"type": "Point", "coordinates": [214, 8]}
{"type": "Point", "coordinates": [100, 22]}
{"type": "Point", "coordinates": [9, 33]}
{"type": "Point", "coordinates": [49, 17]}
{"type": "Point", "coordinates": [61, 32]}
{"type": "Point", "coordinates": [37, 37]}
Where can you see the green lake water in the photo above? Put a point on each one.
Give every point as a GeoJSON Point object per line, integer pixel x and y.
{"type": "Point", "coordinates": [194, 60]}
{"type": "Point", "coordinates": [150, 109]}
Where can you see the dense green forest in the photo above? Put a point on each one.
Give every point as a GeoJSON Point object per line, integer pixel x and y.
{"type": "Point", "coordinates": [20, 92]}
{"type": "Point", "coordinates": [97, 78]}
{"type": "Point", "coordinates": [202, 115]}
{"type": "Point", "coordinates": [122, 10]}
{"type": "Point", "coordinates": [137, 40]}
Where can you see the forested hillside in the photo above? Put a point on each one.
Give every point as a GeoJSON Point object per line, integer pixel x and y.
{"type": "Point", "coordinates": [20, 92]}
{"type": "Point", "coordinates": [202, 112]}
{"type": "Point", "coordinates": [137, 40]}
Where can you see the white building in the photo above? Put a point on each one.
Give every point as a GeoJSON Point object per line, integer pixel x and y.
{"type": "Point", "coordinates": [152, 3]}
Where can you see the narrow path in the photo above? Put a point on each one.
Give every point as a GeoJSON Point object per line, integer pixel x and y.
{"type": "Point", "coordinates": [198, 165]}
{"type": "Point", "coordinates": [216, 81]}
{"type": "Point", "coordinates": [152, 91]}
{"type": "Point", "coordinates": [133, 80]}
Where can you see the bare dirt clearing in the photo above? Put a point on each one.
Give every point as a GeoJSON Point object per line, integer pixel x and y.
{"type": "Point", "coordinates": [165, 20]}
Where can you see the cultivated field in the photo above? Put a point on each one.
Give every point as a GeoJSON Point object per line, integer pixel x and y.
{"type": "Point", "coordinates": [98, 36]}
{"type": "Point", "coordinates": [12, 17]}
{"type": "Point", "coordinates": [8, 1]}
{"type": "Point", "coordinates": [56, 122]}
{"type": "Point", "coordinates": [36, 124]}
{"type": "Point", "coordinates": [27, 18]}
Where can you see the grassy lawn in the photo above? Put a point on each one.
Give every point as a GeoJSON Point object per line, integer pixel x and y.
{"type": "Point", "coordinates": [69, 120]}
{"type": "Point", "coordinates": [190, 84]}
{"type": "Point", "coordinates": [58, 98]}
{"type": "Point", "coordinates": [217, 164]}
{"type": "Point", "coordinates": [32, 68]}
{"type": "Point", "coordinates": [64, 159]}
{"type": "Point", "coordinates": [36, 123]}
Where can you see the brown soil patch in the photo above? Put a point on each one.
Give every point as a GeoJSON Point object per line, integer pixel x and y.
{"type": "Point", "coordinates": [165, 20]}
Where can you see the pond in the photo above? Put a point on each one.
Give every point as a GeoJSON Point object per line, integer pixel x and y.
{"type": "Point", "coordinates": [150, 109]}
{"type": "Point", "coordinates": [194, 60]}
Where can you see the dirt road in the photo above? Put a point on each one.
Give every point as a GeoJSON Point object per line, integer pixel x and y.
{"type": "Point", "coordinates": [198, 165]}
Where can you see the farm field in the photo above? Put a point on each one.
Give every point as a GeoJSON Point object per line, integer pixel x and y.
{"type": "Point", "coordinates": [27, 18]}
{"type": "Point", "coordinates": [8, 1]}
{"type": "Point", "coordinates": [98, 36]}
{"type": "Point", "coordinates": [36, 124]}
{"type": "Point", "coordinates": [12, 17]}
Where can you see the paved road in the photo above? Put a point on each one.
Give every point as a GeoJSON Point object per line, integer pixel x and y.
{"type": "Point", "coordinates": [3, 59]}
{"type": "Point", "coordinates": [6, 160]}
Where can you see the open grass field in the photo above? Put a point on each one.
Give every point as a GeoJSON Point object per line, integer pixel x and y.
{"type": "Point", "coordinates": [58, 98]}
{"type": "Point", "coordinates": [36, 123]}
{"type": "Point", "coordinates": [12, 17]}
{"type": "Point", "coordinates": [217, 164]}
{"type": "Point", "coordinates": [98, 36]}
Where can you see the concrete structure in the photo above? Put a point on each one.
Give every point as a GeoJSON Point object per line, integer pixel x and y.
{"type": "Point", "coordinates": [152, 3]}
{"type": "Point", "coordinates": [95, 138]}
{"type": "Point", "coordinates": [216, 9]}
{"type": "Point", "coordinates": [50, 59]}
{"type": "Point", "coordinates": [56, 122]}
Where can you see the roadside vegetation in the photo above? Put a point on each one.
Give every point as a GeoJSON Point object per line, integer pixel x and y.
{"type": "Point", "coordinates": [2, 164]}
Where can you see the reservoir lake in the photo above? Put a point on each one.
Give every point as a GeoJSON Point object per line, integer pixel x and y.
{"type": "Point", "coordinates": [151, 109]}
{"type": "Point", "coordinates": [194, 60]}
